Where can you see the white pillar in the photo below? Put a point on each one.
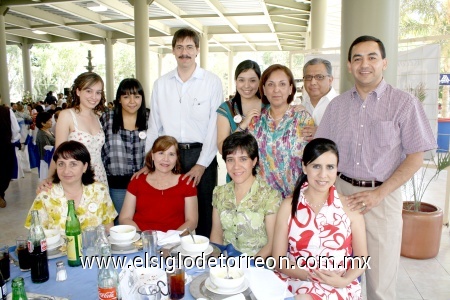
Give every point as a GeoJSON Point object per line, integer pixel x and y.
{"type": "Point", "coordinates": [26, 63]}
{"type": "Point", "coordinates": [204, 50]}
{"type": "Point", "coordinates": [318, 23]}
{"type": "Point", "coordinates": [4, 81]}
{"type": "Point", "coordinates": [367, 17]}
{"type": "Point", "coordinates": [141, 33]}
{"type": "Point", "coordinates": [109, 68]}
{"type": "Point", "coordinates": [230, 73]}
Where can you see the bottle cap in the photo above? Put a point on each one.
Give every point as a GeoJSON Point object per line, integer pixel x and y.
{"type": "Point", "coordinates": [59, 263]}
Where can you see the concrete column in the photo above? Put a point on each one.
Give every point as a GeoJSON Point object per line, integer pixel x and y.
{"type": "Point", "coordinates": [160, 63]}
{"type": "Point", "coordinates": [109, 68]}
{"type": "Point", "coordinates": [26, 63]}
{"type": "Point", "coordinates": [141, 32]}
{"type": "Point", "coordinates": [230, 73]}
{"type": "Point", "coordinates": [4, 81]}
{"type": "Point", "coordinates": [376, 18]}
{"type": "Point", "coordinates": [204, 49]}
{"type": "Point", "coordinates": [318, 24]}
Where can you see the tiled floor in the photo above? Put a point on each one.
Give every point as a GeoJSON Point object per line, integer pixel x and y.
{"type": "Point", "coordinates": [418, 279]}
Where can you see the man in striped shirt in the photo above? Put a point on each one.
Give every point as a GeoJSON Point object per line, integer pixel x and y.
{"type": "Point", "coordinates": [381, 133]}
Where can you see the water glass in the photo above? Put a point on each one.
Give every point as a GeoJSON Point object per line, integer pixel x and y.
{"type": "Point", "coordinates": [89, 237]}
{"type": "Point", "coordinates": [4, 262]}
{"type": "Point", "coordinates": [175, 279]}
{"type": "Point", "coordinates": [23, 254]}
{"type": "Point", "coordinates": [148, 292]}
{"type": "Point", "coordinates": [150, 242]}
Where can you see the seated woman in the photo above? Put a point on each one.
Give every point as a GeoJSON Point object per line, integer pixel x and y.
{"type": "Point", "coordinates": [315, 223]}
{"type": "Point", "coordinates": [73, 180]}
{"type": "Point", "coordinates": [244, 210]}
{"type": "Point", "coordinates": [161, 200]}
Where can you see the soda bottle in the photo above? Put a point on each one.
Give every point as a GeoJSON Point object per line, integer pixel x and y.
{"type": "Point", "coordinates": [18, 289]}
{"type": "Point", "coordinates": [3, 292]}
{"type": "Point", "coordinates": [73, 234]}
{"type": "Point", "coordinates": [107, 279]}
{"type": "Point", "coordinates": [102, 240]}
{"type": "Point", "coordinates": [37, 246]}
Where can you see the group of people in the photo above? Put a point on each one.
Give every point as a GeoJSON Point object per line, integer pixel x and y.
{"type": "Point", "coordinates": [316, 180]}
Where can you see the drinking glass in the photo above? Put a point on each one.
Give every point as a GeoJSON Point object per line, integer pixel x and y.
{"type": "Point", "coordinates": [89, 236]}
{"type": "Point", "coordinates": [150, 242]}
{"type": "Point", "coordinates": [175, 279]}
{"type": "Point", "coordinates": [148, 292]}
{"type": "Point", "coordinates": [23, 254]}
{"type": "Point", "coordinates": [4, 262]}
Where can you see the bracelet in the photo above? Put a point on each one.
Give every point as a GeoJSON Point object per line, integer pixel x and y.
{"type": "Point", "coordinates": [240, 129]}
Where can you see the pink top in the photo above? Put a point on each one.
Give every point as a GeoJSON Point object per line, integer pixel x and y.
{"type": "Point", "coordinates": [160, 209]}
{"type": "Point", "coordinates": [374, 135]}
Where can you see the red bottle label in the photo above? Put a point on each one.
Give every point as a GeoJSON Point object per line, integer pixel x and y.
{"type": "Point", "coordinates": [43, 245]}
{"type": "Point", "coordinates": [30, 246]}
{"type": "Point", "coordinates": [107, 293]}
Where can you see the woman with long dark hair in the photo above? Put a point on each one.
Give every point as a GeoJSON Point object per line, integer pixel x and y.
{"type": "Point", "coordinates": [125, 133]}
{"type": "Point", "coordinates": [326, 239]}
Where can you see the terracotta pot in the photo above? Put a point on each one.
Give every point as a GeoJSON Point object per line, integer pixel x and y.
{"type": "Point", "coordinates": [422, 231]}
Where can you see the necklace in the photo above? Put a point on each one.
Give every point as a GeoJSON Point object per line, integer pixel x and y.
{"type": "Point", "coordinates": [278, 119]}
{"type": "Point", "coordinates": [181, 95]}
{"type": "Point", "coordinates": [316, 205]}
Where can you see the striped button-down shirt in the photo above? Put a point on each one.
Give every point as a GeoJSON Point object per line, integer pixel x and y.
{"type": "Point", "coordinates": [375, 135]}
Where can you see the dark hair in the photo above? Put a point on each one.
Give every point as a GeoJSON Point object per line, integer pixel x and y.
{"type": "Point", "coordinates": [42, 117]}
{"type": "Point", "coordinates": [84, 81]}
{"type": "Point", "coordinates": [163, 143]}
{"type": "Point", "coordinates": [39, 108]}
{"type": "Point", "coordinates": [265, 76]}
{"type": "Point", "coordinates": [318, 61]}
{"type": "Point", "coordinates": [367, 38]}
{"type": "Point", "coordinates": [5, 127]}
{"type": "Point", "coordinates": [126, 87]}
{"type": "Point", "coordinates": [312, 151]}
{"type": "Point", "coordinates": [77, 151]}
{"type": "Point", "coordinates": [183, 33]}
{"type": "Point", "coordinates": [242, 67]}
{"type": "Point", "coordinates": [244, 141]}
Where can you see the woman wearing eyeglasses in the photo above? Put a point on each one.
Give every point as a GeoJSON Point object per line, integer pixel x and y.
{"type": "Point", "coordinates": [278, 130]}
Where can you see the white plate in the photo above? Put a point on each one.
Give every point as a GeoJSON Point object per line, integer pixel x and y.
{"type": "Point", "coordinates": [56, 245]}
{"type": "Point", "coordinates": [124, 249]}
{"type": "Point", "coordinates": [183, 252]}
{"type": "Point", "coordinates": [221, 291]}
{"type": "Point", "coordinates": [116, 242]}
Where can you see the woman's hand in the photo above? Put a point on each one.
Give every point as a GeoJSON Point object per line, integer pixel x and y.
{"type": "Point", "coordinates": [144, 171]}
{"type": "Point", "coordinates": [334, 278]}
{"type": "Point", "coordinates": [248, 118]}
{"type": "Point", "coordinates": [44, 186]}
{"type": "Point", "coordinates": [299, 108]}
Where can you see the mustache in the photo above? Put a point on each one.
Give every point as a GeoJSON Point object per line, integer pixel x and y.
{"type": "Point", "coordinates": [184, 56]}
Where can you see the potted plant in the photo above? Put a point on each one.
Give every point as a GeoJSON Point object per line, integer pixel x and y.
{"type": "Point", "coordinates": [422, 222]}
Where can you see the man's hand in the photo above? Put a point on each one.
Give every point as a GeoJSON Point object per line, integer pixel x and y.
{"type": "Point", "coordinates": [195, 174]}
{"type": "Point", "coordinates": [365, 201]}
{"type": "Point", "coordinates": [144, 171]}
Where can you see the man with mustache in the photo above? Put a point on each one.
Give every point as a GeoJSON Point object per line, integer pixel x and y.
{"type": "Point", "coordinates": [382, 133]}
{"type": "Point", "coordinates": [184, 103]}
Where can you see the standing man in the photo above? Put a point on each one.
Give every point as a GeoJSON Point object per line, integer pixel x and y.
{"type": "Point", "coordinates": [184, 103]}
{"type": "Point", "coordinates": [382, 133]}
{"type": "Point", "coordinates": [317, 80]}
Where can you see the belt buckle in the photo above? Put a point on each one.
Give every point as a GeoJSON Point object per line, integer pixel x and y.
{"type": "Point", "coordinates": [187, 146]}
{"type": "Point", "coordinates": [363, 183]}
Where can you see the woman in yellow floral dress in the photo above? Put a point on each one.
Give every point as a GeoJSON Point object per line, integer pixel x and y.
{"type": "Point", "coordinates": [73, 180]}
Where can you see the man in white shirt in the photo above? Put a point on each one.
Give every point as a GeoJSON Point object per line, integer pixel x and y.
{"type": "Point", "coordinates": [317, 80]}
{"type": "Point", "coordinates": [184, 103]}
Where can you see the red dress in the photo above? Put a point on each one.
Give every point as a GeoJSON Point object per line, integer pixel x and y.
{"type": "Point", "coordinates": [160, 209]}
{"type": "Point", "coordinates": [327, 234]}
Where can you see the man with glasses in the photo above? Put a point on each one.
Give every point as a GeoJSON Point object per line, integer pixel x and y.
{"type": "Point", "coordinates": [184, 103]}
{"type": "Point", "coordinates": [317, 80]}
{"type": "Point", "coordinates": [382, 133]}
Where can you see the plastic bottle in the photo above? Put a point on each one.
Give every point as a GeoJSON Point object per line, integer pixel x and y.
{"type": "Point", "coordinates": [108, 278]}
{"type": "Point", "coordinates": [37, 246]}
{"type": "Point", "coordinates": [73, 234]}
{"type": "Point", "coordinates": [18, 289]}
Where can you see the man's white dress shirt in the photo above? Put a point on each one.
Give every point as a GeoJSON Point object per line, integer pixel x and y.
{"type": "Point", "coordinates": [318, 111]}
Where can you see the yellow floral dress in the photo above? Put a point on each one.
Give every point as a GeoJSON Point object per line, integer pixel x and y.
{"type": "Point", "coordinates": [243, 224]}
{"type": "Point", "coordinates": [95, 207]}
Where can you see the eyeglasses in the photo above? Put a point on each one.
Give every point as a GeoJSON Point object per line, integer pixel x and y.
{"type": "Point", "coordinates": [318, 77]}
{"type": "Point", "coordinates": [188, 48]}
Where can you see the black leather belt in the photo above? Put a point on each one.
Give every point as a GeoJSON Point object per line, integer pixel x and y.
{"type": "Point", "coordinates": [360, 183]}
{"type": "Point", "coordinates": [187, 146]}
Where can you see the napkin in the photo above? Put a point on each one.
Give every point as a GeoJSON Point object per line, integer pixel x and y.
{"type": "Point", "coordinates": [265, 285]}
{"type": "Point", "coordinates": [239, 296]}
{"type": "Point", "coordinates": [169, 237]}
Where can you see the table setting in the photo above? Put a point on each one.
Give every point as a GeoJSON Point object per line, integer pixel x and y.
{"type": "Point", "coordinates": [140, 281]}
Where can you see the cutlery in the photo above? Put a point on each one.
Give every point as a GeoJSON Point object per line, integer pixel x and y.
{"type": "Point", "coordinates": [228, 268]}
{"type": "Point", "coordinates": [192, 236]}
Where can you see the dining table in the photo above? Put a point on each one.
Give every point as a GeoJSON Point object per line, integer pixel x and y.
{"type": "Point", "coordinates": [81, 283]}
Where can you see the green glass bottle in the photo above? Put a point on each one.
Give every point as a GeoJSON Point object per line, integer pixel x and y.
{"type": "Point", "coordinates": [73, 234]}
{"type": "Point", "coordinates": [18, 289]}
